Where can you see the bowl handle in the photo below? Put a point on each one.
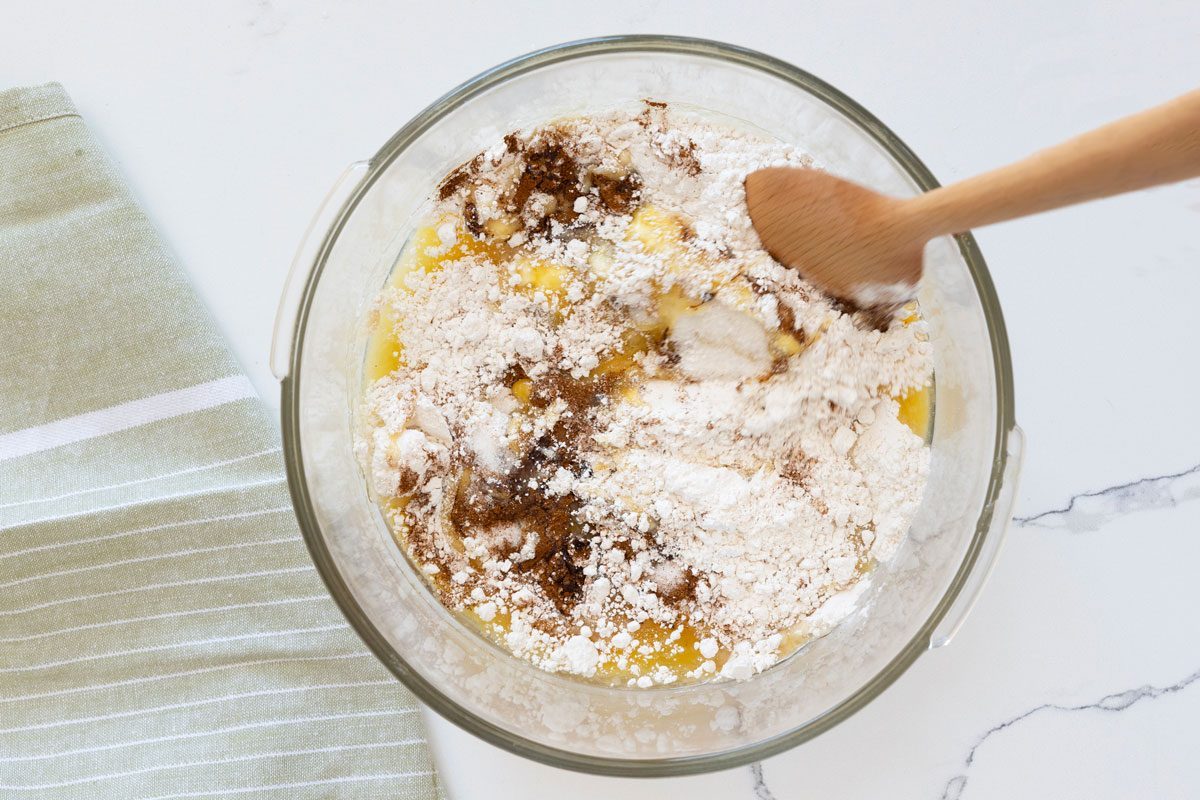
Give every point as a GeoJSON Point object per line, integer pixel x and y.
{"type": "Point", "coordinates": [306, 255]}
{"type": "Point", "coordinates": [986, 560]}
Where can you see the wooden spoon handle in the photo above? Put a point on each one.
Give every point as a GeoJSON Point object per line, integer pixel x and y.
{"type": "Point", "coordinates": [1160, 145]}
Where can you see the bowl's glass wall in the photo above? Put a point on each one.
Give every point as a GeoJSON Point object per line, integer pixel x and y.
{"type": "Point", "coordinates": [476, 683]}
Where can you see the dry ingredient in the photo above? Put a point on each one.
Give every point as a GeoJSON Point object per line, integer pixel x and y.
{"type": "Point", "coordinates": [614, 431]}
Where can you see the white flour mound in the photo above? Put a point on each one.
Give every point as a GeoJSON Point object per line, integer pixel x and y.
{"type": "Point", "coordinates": [751, 469]}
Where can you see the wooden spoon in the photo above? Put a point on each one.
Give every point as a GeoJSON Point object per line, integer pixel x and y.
{"type": "Point", "coordinates": [866, 248]}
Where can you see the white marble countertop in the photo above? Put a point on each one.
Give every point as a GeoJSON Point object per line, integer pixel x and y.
{"type": "Point", "coordinates": [1072, 678]}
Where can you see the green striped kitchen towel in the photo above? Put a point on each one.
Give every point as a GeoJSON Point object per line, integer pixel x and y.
{"type": "Point", "coordinates": [162, 631]}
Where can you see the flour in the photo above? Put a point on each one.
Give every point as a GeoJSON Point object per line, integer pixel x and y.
{"type": "Point", "coordinates": [623, 437]}
{"type": "Point", "coordinates": [717, 342]}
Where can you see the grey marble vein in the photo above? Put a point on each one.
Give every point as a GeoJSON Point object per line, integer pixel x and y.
{"type": "Point", "coordinates": [761, 791]}
{"type": "Point", "coordinates": [1088, 511]}
{"type": "Point", "coordinates": [1109, 703]}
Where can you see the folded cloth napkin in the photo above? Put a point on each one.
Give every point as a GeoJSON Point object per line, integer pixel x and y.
{"type": "Point", "coordinates": [162, 631]}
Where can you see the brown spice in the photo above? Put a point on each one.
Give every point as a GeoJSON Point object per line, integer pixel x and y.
{"type": "Point", "coordinates": [787, 318]}
{"type": "Point", "coordinates": [520, 497]}
{"type": "Point", "coordinates": [471, 218]}
{"type": "Point", "coordinates": [459, 177]}
{"type": "Point", "coordinates": [798, 470]}
{"type": "Point", "coordinates": [787, 322]}
{"type": "Point", "coordinates": [548, 165]}
{"type": "Point", "coordinates": [666, 348]}
{"type": "Point", "coordinates": [562, 577]}
{"type": "Point", "coordinates": [682, 592]}
{"type": "Point", "coordinates": [877, 317]}
{"type": "Point", "coordinates": [525, 186]}
{"type": "Point", "coordinates": [647, 116]}
{"type": "Point", "coordinates": [563, 544]}
{"type": "Point", "coordinates": [618, 194]}
{"type": "Point", "coordinates": [419, 535]}
{"type": "Point", "coordinates": [408, 481]}
{"type": "Point", "coordinates": [550, 168]}
{"type": "Point", "coordinates": [684, 157]}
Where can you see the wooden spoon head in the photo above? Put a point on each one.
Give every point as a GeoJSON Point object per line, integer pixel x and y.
{"type": "Point", "coordinates": [849, 241]}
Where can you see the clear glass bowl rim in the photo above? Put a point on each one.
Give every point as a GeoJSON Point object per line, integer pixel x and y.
{"type": "Point", "coordinates": [429, 693]}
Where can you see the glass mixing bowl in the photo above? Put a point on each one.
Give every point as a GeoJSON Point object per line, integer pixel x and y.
{"type": "Point", "coordinates": [914, 602]}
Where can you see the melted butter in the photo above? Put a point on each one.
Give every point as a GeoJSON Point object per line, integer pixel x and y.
{"type": "Point", "coordinates": [658, 231]}
{"type": "Point", "coordinates": [384, 353]}
{"type": "Point", "coordinates": [542, 276]}
{"type": "Point", "coordinates": [669, 306]}
{"type": "Point", "coordinates": [786, 345]}
{"type": "Point", "coordinates": [623, 363]}
{"type": "Point", "coordinates": [522, 389]}
{"type": "Point", "coordinates": [665, 234]}
{"type": "Point", "coordinates": [677, 649]}
{"type": "Point", "coordinates": [423, 253]}
{"type": "Point", "coordinates": [656, 646]}
{"type": "Point", "coordinates": [916, 411]}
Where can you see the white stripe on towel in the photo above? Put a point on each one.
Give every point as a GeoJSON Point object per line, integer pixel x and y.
{"type": "Point", "coordinates": [246, 726]}
{"type": "Point", "coordinates": [337, 748]}
{"type": "Point", "coordinates": [124, 416]}
{"type": "Point", "coordinates": [139, 531]}
{"type": "Point", "coordinates": [158, 648]}
{"type": "Point", "coordinates": [147, 479]}
{"type": "Point", "coordinates": [190, 612]}
{"type": "Point", "coordinates": [297, 785]}
{"type": "Point", "coordinates": [191, 551]}
{"type": "Point", "coordinates": [145, 502]}
{"type": "Point", "coordinates": [165, 676]}
{"type": "Point", "coordinates": [8, 612]}
{"type": "Point", "coordinates": [207, 701]}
